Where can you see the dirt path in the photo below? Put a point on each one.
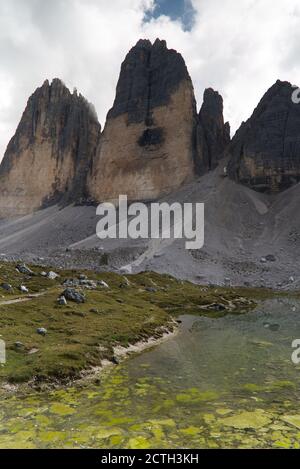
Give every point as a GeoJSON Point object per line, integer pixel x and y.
{"type": "Point", "coordinates": [23, 299]}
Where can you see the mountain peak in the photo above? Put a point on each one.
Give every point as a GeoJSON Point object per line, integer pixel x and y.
{"type": "Point", "coordinates": [215, 133]}
{"type": "Point", "coordinates": [50, 154]}
{"type": "Point", "coordinates": [265, 152]}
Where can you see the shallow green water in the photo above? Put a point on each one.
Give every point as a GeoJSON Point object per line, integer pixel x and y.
{"type": "Point", "coordinates": [226, 382]}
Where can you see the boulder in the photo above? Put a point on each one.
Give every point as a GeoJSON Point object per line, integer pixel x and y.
{"type": "Point", "coordinates": [71, 282]}
{"type": "Point", "coordinates": [103, 284]}
{"type": "Point", "coordinates": [73, 295]}
{"type": "Point", "coordinates": [7, 287]}
{"type": "Point", "coordinates": [52, 275]}
{"type": "Point", "coordinates": [19, 345]}
{"type": "Point", "coordinates": [23, 269]}
{"type": "Point", "coordinates": [62, 301]}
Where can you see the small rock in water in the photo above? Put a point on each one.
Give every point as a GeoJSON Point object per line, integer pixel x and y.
{"type": "Point", "coordinates": [292, 279]}
{"type": "Point", "coordinates": [263, 260]}
{"type": "Point", "coordinates": [62, 301]}
{"type": "Point", "coordinates": [52, 275]}
{"type": "Point", "coordinates": [6, 286]}
{"type": "Point", "coordinates": [23, 269]}
{"type": "Point", "coordinates": [24, 289]}
{"type": "Point", "coordinates": [73, 295]}
{"type": "Point", "coordinates": [42, 331]}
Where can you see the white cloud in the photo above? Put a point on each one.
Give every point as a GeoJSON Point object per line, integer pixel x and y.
{"type": "Point", "coordinates": [240, 48]}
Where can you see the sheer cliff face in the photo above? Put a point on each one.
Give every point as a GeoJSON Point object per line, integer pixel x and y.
{"type": "Point", "coordinates": [148, 147]}
{"type": "Point", "coordinates": [48, 158]}
{"type": "Point", "coordinates": [265, 152]}
{"type": "Point", "coordinates": [214, 133]}
{"type": "Point", "coordinates": [153, 141]}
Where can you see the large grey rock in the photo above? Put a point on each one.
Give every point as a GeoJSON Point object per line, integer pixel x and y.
{"type": "Point", "coordinates": [73, 295]}
{"type": "Point", "coordinates": [23, 269]}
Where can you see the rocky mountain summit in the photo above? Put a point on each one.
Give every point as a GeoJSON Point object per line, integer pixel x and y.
{"type": "Point", "coordinates": [265, 152]}
{"type": "Point", "coordinates": [214, 133]}
{"type": "Point", "coordinates": [49, 156]}
{"type": "Point", "coordinates": [148, 146]}
{"type": "Point", "coordinates": [154, 140]}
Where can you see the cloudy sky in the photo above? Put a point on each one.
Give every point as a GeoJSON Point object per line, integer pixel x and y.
{"type": "Point", "coordinates": [238, 47]}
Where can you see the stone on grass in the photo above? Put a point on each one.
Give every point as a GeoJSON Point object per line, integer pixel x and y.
{"type": "Point", "coordinates": [73, 295]}
{"type": "Point", "coordinates": [42, 331]}
{"type": "Point", "coordinates": [82, 277]}
{"type": "Point", "coordinates": [24, 289]}
{"type": "Point", "coordinates": [71, 282]}
{"type": "Point", "coordinates": [103, 284]}
{"type": "Point", "coordinates": [19, 345]}
{"type": "Point", "coordinates": [23, 269]}
{"type": "Point", "coordinates": [52, 275]}
{"type": "Point", "coordinates": [62, 301]}
{"type": "Point", "coordinates": [90, 284]}
{"type": "Point", "coordinates": [6, 286]}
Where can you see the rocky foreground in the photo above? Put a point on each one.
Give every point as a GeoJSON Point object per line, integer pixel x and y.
{"type": "Point", "coordinates": [57, 325]}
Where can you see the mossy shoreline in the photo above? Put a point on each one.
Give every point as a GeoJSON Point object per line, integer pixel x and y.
{"type": "Point", "coordinates": [81, 337]}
